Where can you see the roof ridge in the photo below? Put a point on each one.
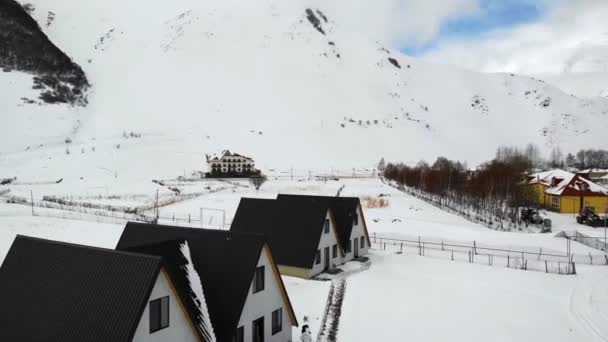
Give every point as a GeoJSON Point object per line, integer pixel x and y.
{"type": "Point", "coordinates": [87, 247]}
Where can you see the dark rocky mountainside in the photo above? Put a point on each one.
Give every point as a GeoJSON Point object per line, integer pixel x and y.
{"type": "Point", "coordinates": [24, 47]}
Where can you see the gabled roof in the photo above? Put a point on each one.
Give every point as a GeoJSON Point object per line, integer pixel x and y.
{"type": "Point", "coordinates": [54, 291]}
{"type": "Point", "coordinates": [224, 261]}
{"type": "Point", "coordinates": [294, 231]}
{"type": "Point", "coordinates": [560, 182]}
{"type": "Point", "coordinates": [546, 177]}
{"type": "Point", "coordinates": [344, 210]}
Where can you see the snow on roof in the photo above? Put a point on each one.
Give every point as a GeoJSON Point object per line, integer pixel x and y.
{"type": "Point", "coordinates": [546, 177]}
{"type": "Point", "coordinates": [195, 283]}
{"type": "Point", "coordinates": [565, 181]}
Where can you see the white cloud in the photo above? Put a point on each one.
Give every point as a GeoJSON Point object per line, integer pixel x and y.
{"type": "Point", "coordinates": [573, 36]}
{"type": "Point", "coordinates": [396, 22]}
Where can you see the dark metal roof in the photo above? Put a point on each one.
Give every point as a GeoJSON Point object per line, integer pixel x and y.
{"type": "Point", "coordinates": [53, 291]}
{"type": "Point", "coordinates": [294, 231]}
{"type": "Point", "coordinates": [343, 208]}
{"type": "Point", "coordinates": [225, 262]}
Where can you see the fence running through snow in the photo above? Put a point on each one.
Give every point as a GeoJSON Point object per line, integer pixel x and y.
{"type": "Point", "coordinates": [518, 259]}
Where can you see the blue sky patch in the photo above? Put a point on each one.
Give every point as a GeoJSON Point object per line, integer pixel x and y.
{"type": "Point", "coordinates": [493, 15]}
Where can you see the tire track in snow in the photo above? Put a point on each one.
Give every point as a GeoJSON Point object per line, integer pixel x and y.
{"type": "Point", "coordinates": [581, 308]}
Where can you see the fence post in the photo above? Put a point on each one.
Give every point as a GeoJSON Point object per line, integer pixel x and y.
{"type": "Point", "coordinates": [442, 245]}
{"type": "Point", "coordinates": [452, 255]}
{"type": "Point", "coordinates": [546, 267]}
{"type": "Point", "coordinates": [188, 218]}
{"type": "Point", "coordinates": [384, 246]}
{"type": "Point", "coordinates": [540, 252]}
{"type": "Point", "coordinates": [590, 258]}
{"type": "Point", "coordinates": [474, 247]}
{"type": "Point", "coordinates": [401, 248]}
{"type": "Point", "coordinates": [374, 237]}
{"type": "Point", "coordinates": [470, 256]}
{"type": "Point", "coordinates": [508, 261]}
{"type": "Point", "coordinates": [573, 268]}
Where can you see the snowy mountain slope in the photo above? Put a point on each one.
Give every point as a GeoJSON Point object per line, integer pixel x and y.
{"type": "Point", "coordinates": [196, 77]}
{"type": "Point", "coordinates": [583, 84]}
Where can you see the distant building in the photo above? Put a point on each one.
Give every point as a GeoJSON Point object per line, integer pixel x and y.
{"type": "Point", "coordinates": [309, 234]}
{"type": "Point", "coordinates": [599, 176]}
{"type": "Point", "coordinates": [231, 165]}
{"type": "Point", "coordinates": [566, 192]}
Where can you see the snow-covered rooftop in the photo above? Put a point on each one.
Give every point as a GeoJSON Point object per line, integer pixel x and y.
{"type": "Point", "coordinates": [558, 181]}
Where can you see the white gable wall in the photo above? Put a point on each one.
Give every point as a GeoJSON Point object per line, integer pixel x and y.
{"type": "Point", "coordinates": [357, 232]}
{"type": "Point", "coordinates": [327, 240]}
{"type": "Point", "coordinates": [263, 303]}
{"type": "Point", "coordinates": [179, 329]}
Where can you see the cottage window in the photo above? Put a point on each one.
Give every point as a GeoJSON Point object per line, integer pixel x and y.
{"type": "Point", "coordinates": [362, 241]}
{"type": "Point", "coordinates": [326, 227]}
{"type": "Point", "coordinates": [334, 251]}
{"type": "Point", "coordinates": [258, 280]}
{"type": "Point", "coordinates": [555, 202]}
{"type": "Point", "coordinates": [356, 218]}
{"type": "Point", "coordinates": [239, 336]}
{"type": "Point", "coordinates": [318, 257]}
{"type": "Point", "coordinates": [159, 314]}
{"type": "Point", "coordinates": [277, 321]}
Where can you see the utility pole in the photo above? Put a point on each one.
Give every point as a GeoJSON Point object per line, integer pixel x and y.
{"type": "Point", "coordinates": [32, 198]}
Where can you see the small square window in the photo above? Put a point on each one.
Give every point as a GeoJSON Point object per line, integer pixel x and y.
{"type": "Point", "coordinates": [326, 227]}
{"type": "Point", "coordinates": [277, 321]}
{"type": "Point", "coordinates": [318, 257]}
{"type": "Point", "coordinates": [159, 314]}
{"type": "Point", "coordinates": [334, 251]}
{"type": "Point", "coordinates": [258, 280]}
{"type": "Point", "coordinates": [239, 336]}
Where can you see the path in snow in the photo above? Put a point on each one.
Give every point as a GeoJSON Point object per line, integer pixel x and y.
{"type": "Point", "coordinates": [328, 331]}
{"type": "Point", "coordinates": [588, 306]}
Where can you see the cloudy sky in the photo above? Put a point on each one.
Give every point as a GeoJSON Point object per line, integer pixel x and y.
{"type": "Point", "coordinates": [522, 36]}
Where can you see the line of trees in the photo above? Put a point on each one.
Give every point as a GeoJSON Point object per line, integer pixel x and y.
{"type": "Point", "coordinates": [492, 193]}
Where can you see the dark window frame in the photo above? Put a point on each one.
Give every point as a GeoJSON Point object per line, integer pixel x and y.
{"type": "Point", "coordinates": [277, 321]}
{"type": "Point", "coordinates": [362, 241]}
{"type": "Point", "coordinates": [258, 279]}
{"type": "Point", "coordinates": [356, 218]}
{"type": "Point", "coordinates": [253, 325]}
{"type": "Point", "coordinates": [326, 227]}
{"type": "Point", "coordinates": [158, 321]}
{"type": "Point", "coordinates": [334, 251]}
{"type": "Point", "coordinates": [318, 257]}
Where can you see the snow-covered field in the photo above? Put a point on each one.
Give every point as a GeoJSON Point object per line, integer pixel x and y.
{"type": "Point", "coordinates": [401, 296]}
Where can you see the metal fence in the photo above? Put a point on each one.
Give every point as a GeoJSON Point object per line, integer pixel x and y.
{"type": "Point", "coordinates": [541, 261]}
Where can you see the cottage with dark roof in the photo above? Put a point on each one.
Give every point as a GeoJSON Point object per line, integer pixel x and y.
{"type": "Point", "coordinates": [53, 291]}
{"type": "Point", "coordinates": [246, 297]}
{"type": "Point", "coordinates": [309, 234]}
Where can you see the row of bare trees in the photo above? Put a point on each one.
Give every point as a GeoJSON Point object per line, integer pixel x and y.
{"type": "Point", "coordinates": [492, 193]}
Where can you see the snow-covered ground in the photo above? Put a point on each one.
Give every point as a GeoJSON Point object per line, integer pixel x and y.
{"type": "Point", "coordinates": [400, 296]}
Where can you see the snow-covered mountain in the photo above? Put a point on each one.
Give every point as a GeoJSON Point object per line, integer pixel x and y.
{"type": "Point", "coordinates": [582, 84]}
{"type": "Point", "coordinates": [281, 81]}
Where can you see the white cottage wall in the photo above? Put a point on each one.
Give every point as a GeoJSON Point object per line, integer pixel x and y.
{"type": "Point", "coordinates": [180, 327]}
